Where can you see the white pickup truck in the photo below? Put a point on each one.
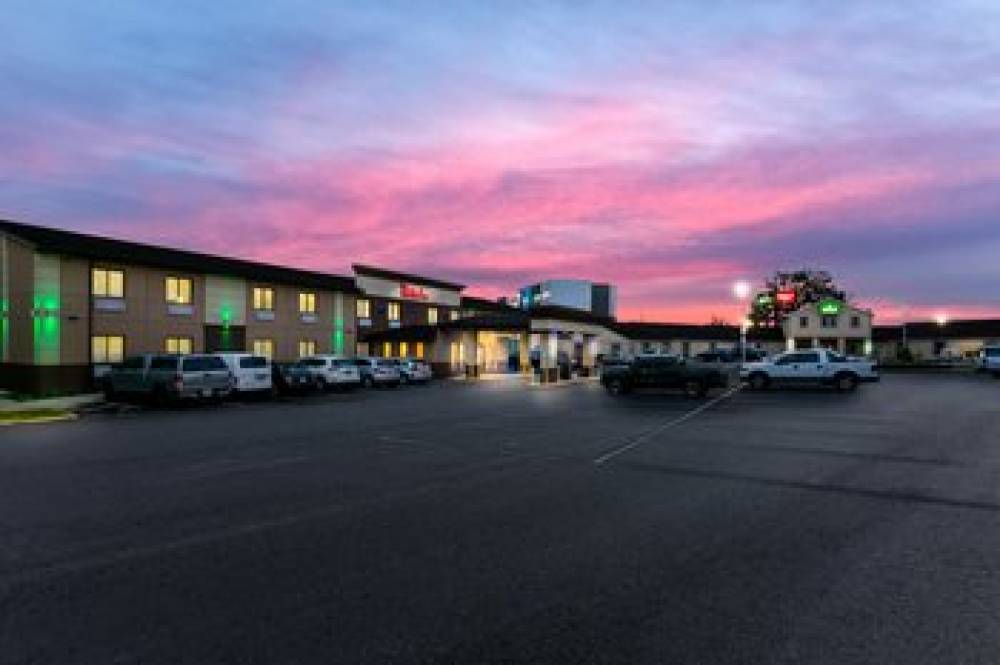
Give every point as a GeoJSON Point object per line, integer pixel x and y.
{"type": "Point", "coordinates": [809, 367]}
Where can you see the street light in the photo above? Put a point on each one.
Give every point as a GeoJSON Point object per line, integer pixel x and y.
{"type": "Point", "coordinates": [741, 290]}
{"type": "Point", "coordinates": [941, 319]}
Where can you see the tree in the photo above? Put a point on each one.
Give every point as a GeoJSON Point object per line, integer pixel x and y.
{"type": "Point", "coordinates": [785, 292]}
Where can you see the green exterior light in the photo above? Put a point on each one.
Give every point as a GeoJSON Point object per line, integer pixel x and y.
{"type": "Point", "coordinates": [829, 307]}
{"type": "Point", "coordinates": [338, 336]}
{"type": "Point", "coordinates": [764, 299]}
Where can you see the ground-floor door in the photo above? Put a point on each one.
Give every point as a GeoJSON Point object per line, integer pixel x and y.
{"type": "Point", "coordinates": [219, 339]}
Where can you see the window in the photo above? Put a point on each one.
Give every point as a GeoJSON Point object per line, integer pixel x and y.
{"type": "Point", "coordinates": [828, 321]}
{"type": "Point", "coordinates": [107, 348]}
{"type": "Point", "coordinates": [135, 362]}
{"type": "Point", "coordinates": [453, 315]}
{"type": "Point", "coordinates": [263, 298]}
{"type": "Point", "coordinates": [403, 349]}
{"type": "Point", "coordinates": [264, 347]}
{"type": "Point", "coordinates": [163, 362]}
{"type": "Point", "coordinates": [361, 348]}
{"type": "Point", "coordinates": [364, 309]}
{"type": "Point", "coordinates": [178, 290]}
{"type": "Point", "coordinates": [387, 349]}
{"type": "Point", "coordinates": [179, 345]}
{"type": "Point", "coordinates": [307, 303]}
{"type": "Point", "coordinates": [253, 362]}
{"type": "Point", "coordinates": [394, 311]}
{"type": "Point", "coordinates": [432, 316]}
{"type": "Point", "coordinates": [203, 364]}
{"type": "Point", "coordinates": [418, 351]}
{"type": "Point", "coordinates": [107, 283]}
{"type": "Point", "coordinates": [803, 322]}
{"type": "Point", "coordinates": [307, 347]}
{"type": "Point", "coordinates": [855, 321]}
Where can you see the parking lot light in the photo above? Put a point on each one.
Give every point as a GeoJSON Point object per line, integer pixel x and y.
{"type": "Point", "coordinates": [741, 289]}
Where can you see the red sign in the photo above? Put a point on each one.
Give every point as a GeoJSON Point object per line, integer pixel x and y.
{"type": "Point", "coordinates": [786, 297]}
{"type": "Point", "coordinates": [412, 292]}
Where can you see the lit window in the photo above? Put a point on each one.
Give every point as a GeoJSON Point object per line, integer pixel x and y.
{"type": "Point", "coordinates": [107, 283]}
{"type": "Point", "coordinates": [364, 309]}
{"type": "Point", "coordinates": [361, 348]}
{"type": "Point", "coordinates": [394, 311]}
{"type": "Point", "coordinates": [418, 350]}
{"type": "Point", "coordinates": [263, 347]}
{"type": "Point", "coordinates": [307, 347]}
{"type": "Point", "coordinates": [179, 345]}
{"type": "Point", "coordinates": [453, 315]}
{"type": "Point", "coordinates": [263, 299]}
{"type": "Point", "coordinates": [307, 303]}
{"type": "Point", "coordinates": [107, 348]}
{"type": "Point", "coordinates": [403, 348]}
{"type": "Point", "coordinates": [387, 349]}
{"type": "Point", "coordinates": [432, 316]}
{"type": "Point", "coordinates": [178, 290]}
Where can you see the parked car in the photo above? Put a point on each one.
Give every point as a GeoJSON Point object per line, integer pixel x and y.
{"type": "Point", "coordinates": [128, 379]}
{"type": "Point", "coordinates": [291, 378]}
{"type": "Point", "coordinates": [810, 367]}
{"type": "Point", "coordinates": [327, 371]}
{"type": "Point", "coordinates": [378, 372]}
{"type": "Point", "coordinates": [252, 374]}
{"type": "Point", "coordinates": [194, 376]}
{"type": "Point", "coordinates": [989, 360]}
{"type": "Point", "coordinates": [414, 370]}
{"type": "Point", "coordinates": [730, 356]}
{"type": "Point", "coordinates": [662, 371]}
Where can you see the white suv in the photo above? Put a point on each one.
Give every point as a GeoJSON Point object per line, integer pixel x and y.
{"type": "Point", "coordinates": [251, 374]}
{"type": "Point", "coordinates": [329, 371]}
{"type": "Point", "coordinates": [989, 360]}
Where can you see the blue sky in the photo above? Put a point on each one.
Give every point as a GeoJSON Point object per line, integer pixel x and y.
{"type": "Point", "coordinates": [668, 147]}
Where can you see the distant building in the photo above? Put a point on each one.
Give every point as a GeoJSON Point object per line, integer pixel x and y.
{"type": "Point", "coordinates": [831, 324]}
{"type": "Point", "coordinates": [598, 299]}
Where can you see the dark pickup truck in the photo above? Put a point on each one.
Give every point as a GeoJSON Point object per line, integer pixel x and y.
{"type": "Point", "coordinates": [662, 372]}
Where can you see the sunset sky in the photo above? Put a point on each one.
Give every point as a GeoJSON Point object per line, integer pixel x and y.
{"type": "Point", "coordinates": [669, 148]}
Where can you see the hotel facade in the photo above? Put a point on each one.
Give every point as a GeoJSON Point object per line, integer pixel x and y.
{"type": "Point", "coordinates": [71, 305]}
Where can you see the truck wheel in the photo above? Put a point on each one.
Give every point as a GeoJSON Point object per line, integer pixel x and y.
{"type": "Point", "coordinates": [616, 387]}
{"type": "Point", "coordinates": [845, 382]}
{"type": "Point", "coordinates": [759, 381]}
{"type": "Point", "coordinates": [693, 388]}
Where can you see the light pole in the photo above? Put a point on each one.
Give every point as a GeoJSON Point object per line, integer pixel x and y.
{"type": "Point", "coordinates": [741, 290]}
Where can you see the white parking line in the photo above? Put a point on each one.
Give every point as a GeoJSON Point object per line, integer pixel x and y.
{"type": "Point", "coordinates": [648, 434]}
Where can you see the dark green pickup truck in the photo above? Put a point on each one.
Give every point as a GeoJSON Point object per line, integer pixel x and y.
{"type": "Point", "coordinates": [660, 372]}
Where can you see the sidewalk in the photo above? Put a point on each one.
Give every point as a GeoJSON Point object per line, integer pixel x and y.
{"type": "Point", "coordinates": [64, 403]}
{"type": "Point", "coordinates": [45, 410]}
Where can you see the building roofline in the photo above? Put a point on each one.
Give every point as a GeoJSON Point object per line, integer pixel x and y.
{"type": "Point", "coordinates": [101, 248]}
{"type": "Point", "coordinates": [385, 273]}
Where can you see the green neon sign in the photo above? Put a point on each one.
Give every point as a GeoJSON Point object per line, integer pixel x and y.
{"type": "Point", "coordinates": [764, 299]}
{"type": "Point", "coordinates": [829, 306]}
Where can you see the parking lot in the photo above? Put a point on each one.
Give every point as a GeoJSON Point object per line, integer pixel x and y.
{"type": "Point", "coordinates": [494, 523]}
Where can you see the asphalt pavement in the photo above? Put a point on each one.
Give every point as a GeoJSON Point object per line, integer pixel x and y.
{"type": "Point", "coordinates": [494, 523]}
